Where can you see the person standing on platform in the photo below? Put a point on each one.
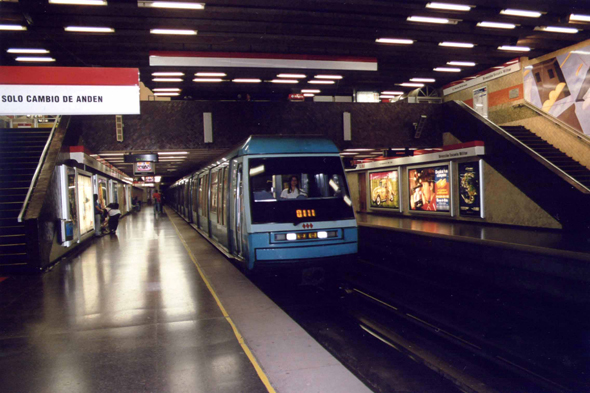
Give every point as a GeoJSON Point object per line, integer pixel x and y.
{"type": "Point", "coordinates": [158, 201]}
{"type": "Point", "coordinates": [98, 214]}
{"type": "Point", "coordinates": [114, 215]}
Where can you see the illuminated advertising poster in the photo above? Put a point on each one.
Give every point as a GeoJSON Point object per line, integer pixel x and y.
{"type": "Point", "coordinates": [429, 189]}
{"type": "Point", "coordinates": [469, 191]}
{"type": "Point", "coordinates": [384, 188]}
{"type": "Point", "coordinates": [85, 204]}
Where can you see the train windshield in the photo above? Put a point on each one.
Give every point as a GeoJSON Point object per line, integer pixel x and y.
{"type": "Point", "coordinates": [297, 189]}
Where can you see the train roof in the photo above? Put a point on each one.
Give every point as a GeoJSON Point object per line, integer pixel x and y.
{"type": "Point", "coordinates": [286, 144]}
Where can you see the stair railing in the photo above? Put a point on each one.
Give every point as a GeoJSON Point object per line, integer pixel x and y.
{"type": "Point", "coordinates": [571, 130]}
{"type": "Point", "coordinates": [38, 170]}
{"type": "Point", "coordinates": [548, 164]}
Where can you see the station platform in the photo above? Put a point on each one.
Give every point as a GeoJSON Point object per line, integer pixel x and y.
{"type": "Point", "coordinates": [155, 308]}
{"type": "Point", "coordinates": [553, 243]}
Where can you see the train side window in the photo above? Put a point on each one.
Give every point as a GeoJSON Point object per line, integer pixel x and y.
{"type": "Point", "coordinates": [225, 191]}
{"type": "Point", "coordinates": [214, 185]}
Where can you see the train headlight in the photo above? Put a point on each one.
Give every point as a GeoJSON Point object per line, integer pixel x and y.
{"type": "Point", "coordinates": [322, 235]}
{"type": "Point", "coordinates": [291, 236]}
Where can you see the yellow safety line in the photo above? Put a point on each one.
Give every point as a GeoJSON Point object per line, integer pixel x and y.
{"type": "Point", "coordinates": [249, 353]}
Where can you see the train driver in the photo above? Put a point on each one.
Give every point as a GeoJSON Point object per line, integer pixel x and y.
{"type": "Point", "coordinates": [293, 191]}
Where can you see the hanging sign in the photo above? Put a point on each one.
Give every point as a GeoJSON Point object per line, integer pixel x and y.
{"type": "Point", "coordinates": [69, 91]}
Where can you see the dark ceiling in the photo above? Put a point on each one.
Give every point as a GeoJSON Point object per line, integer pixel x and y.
{"type": "Point", "coordinates": [322, 27]}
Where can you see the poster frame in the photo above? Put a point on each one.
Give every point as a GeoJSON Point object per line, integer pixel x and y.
{"type": "Point", "coordinates": [481, 190]}
{"type": "Point", "coordinates": [451, 212]}
{"type": "Point", "coordinates": [399, 186]}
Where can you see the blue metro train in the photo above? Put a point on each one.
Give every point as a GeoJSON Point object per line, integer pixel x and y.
{"type": "Point", "coordinates": [274, 201]}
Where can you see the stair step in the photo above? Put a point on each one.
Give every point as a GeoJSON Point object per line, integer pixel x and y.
{"type": "Point", "coordinates": [12, 239]}
{"type": "Point", "coordinates": [9, 222]}
{"type": "Point", "coordinates": [9, 213]}
{"type": "Point", "coordinates": [13, 230]}
{"type": "Point", "coordinates": [13, 191]}
{"type": "Point", "coordinates": [18, 198]}
{"type": "Point", "coordinates": [8, 259]}
{"type": "Point", "coordinates": [18, 248]}
{"type": "Point", "coordinates": [15, 183]}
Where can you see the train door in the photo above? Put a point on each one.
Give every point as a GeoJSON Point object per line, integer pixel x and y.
{"type": "Point", "coordinates": [203, 202]}
{"type": "Point", "coordinates": [237, 209]}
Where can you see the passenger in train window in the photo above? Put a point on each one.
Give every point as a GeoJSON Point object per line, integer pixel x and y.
{"type": "Point", "coordinates": [293, 191]}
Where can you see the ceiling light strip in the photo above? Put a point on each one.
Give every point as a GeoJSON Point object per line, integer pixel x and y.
{"type": "Point", "coordinates": [524, 13]}
{"type": "Point", "coordinates": [261, 60]}
{"type": "Point", "coordinates": [457, 44]}
{"type": "Point", "coordinates": [428, 19]}
{"type": "Point", "coordinates": [514, 48]}
{"type": "Point", "coordinates": [449, 7]}
{"type": "Point", "coordinates": [173, 31]}
{"type": "Point", "coordinates": [79, 2]}
{"type": "Point", "coordinates": [497, 25]}
{"type": "Point", "coordinates": [89, 29]}
{"type": "Point", "coordinates": [396, 41]}
{"type": "Point", "coordinates": [461, 63]}
{"type": "Point", "coordinates": [35, 59]}
{"type": "Point", "coordinates": [171, 4]}
{"type": "Point", "coordinates": [13, 28]}
{"type": "Point", "coordinates": [24, 51]}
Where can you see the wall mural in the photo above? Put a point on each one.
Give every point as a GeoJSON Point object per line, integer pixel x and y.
{"type": "Point", "coordinates": [561, 87]}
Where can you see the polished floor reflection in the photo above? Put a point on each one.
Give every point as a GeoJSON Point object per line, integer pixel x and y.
{"type": "Point", "coordinates": [130, 313]}
{"type": "Point", "coordinates": [576, 245]}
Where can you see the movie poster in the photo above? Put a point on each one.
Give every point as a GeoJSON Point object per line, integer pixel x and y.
{"type": "Point", "coordinates": [429, 189]}
{"type": "Point", "coordinates": [384, 188]}
{"type": "Point", "coordinates": [469, 191]}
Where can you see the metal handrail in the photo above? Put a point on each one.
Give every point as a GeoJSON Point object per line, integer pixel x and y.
{"type": "Point", "coordinates": [548, 164]}
{"type": "Point", "coordinates": [38, 170]}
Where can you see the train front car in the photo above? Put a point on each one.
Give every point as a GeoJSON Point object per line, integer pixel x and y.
{"type": "Point", "coordinates": [300, 210]}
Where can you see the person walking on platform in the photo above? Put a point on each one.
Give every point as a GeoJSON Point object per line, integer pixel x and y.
{"type": "Point", "coordinates": [98, 214]}
{"type": "Point", "coordinates": [158, 201]}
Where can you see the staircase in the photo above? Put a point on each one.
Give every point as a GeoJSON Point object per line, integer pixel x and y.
{"type": "Point", "coordinates": [20, 150]}
{"type": "Point", "coordinates": [568, 165]}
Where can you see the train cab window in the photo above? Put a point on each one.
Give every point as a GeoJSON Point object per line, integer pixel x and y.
{"type": "Point", "coordinates": [282, 187]}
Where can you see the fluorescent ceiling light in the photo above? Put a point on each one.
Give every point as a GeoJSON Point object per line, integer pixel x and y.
{"type": "Point", "coordinates": [213, 74]}
{"type": "Point", "coordinates": [167, 79]}
{"type": "Point", "coordinates": [88, 29]}
{"type": "Point", "coordinates": [348, 154]}
{"type": "Point", "coordinates": [359, 149]}
{"type": "Point", "coordinates": [328, 77]}
{"type": "Point", "coordinates": [447, 69]}
{"type": "Point", "coordinates": [246, 80]}
{"type": "Point", "coordinates": [12, 27]}
{"type": "Point", "coordinates": [167, 73]}
{"type": "Point", "coordinates": [79, 2]}
{"type": "Point", "coordinates": [172, 153]}
{"type": "Point", "coordinates": [308, 95]}
{"type": "Point", "coordinates": [410, 84]}
{"type": "Point", "coordinates": [399, 41]}
{"type": "Point", "coordinates": [427, 19]}
{"type": "Point", "coordinates": [450, 7]}
{"type": "Point", "coordinates": [23, 50]}
{"type": "Point", "coordinates": [581, 52]}
{"type": "Point", "coordinates": [461, 63]}
{"type": "Point", "coordinates": [579, 18]}
{"type": "Point", "coordinates": [284, 81]}
{"type": "Point", "coordinates": [457, 44]}
{"type": "Point", "coordinates": [514, 48]}
{"type": "Point", "coordinates": [426, 80]}
{"type": "Point", "coordinates": [35, 59]}
{"type": "Point", "coordinates": [310, 91]}
{"type": "Point", "coordinates": [207, 80]}
{"type": "Point", "coordinates": [393, 93]}
{"type": "Point", "coordinates": [171, 158]}
{"type": "Point", "coordinates": [111, 154]}
{"type": "Point", "coordinates": [321, 82]}
{"type": "Point", "coordinates": [172, 4]}
{"type": "Point", "coordinates": [166, 94]}
{"type": "Point", "coordinates": [557, 29]}
{"type": "Point", "coordinates": [173, 31]}
{"type": "Point", "coordinates": [292, 76]}
{"type": "Point", "coordinates": [497, 25]}
{"type": "Point", "coordinates": [388, 96]}
{"type": "Point", "coordinates": [166, 89]}
{"type": "Point", "coordinates": [526, 14]}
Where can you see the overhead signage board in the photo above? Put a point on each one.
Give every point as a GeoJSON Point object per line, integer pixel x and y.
{"type": "Point", "coordinates": [482, 78]}
{"type": "Point", "coordinates": [150, 157]}
{"type": "Point", "coordinates": [144, 168]}
{"type": "Point", "coordinates": [69, 91]}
